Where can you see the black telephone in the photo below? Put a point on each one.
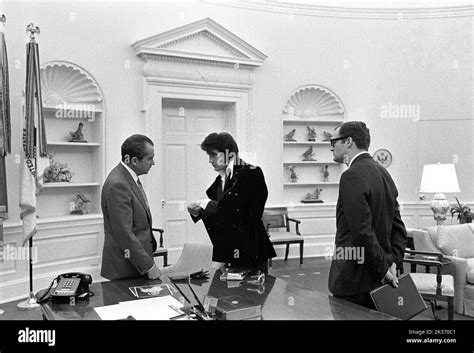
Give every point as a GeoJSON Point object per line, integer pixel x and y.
{"type": "Point", "coordinates": [74, 284]}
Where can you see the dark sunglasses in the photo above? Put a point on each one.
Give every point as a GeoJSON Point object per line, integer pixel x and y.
{"type": "Point", "coordinates": [333, 141]}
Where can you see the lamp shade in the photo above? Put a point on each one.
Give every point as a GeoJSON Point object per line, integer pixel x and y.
{"type": "Point", "coordinates": [439, 178]}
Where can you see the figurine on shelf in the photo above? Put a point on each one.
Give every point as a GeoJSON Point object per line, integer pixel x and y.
{"type": "Point", "coordinates": [311, 133]}
{"type": "Point", "coordinates": [77, 136]}
{"type": "Point", "coordinates": [313, 197]}
{"type": "Point", "coordinates": [293, 175]}
{"type": "Point", "coordinates": [79, 207]}
{"type": "Point", "coordinates": [57, 172]}
{"type": "Point", "coordinates": [308, 155]}
{"type": "Point", "coordinates": [289, 136]}
{"type": "Point", "coordinates": [327, 136]}
{"type": "Point", "coordinates": [325, 172]}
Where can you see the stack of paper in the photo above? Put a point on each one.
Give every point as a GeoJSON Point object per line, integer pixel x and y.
{"type": "Point", "coordinates": [156, 290]}
{"type": "Point", "coordinates": [157, 308]}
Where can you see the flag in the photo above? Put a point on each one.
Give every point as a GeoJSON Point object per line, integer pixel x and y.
{"type": "Point", "coordinates": [5, 122]}
{"type": "Point", "coordinates": [35, 159]}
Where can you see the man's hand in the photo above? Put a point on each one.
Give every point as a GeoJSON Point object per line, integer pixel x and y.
{"type": "Point", "coordinates": [391, 275]}
{"type": "Point", "coordinates": [154, 273]}
{"type": "Point", "coordinates": [194, 209]}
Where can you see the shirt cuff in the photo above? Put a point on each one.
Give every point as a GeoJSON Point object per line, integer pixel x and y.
{"type": "Point", "coordinates": [152, 267]}
{"type": "Point", "coordinates": [203, 203]}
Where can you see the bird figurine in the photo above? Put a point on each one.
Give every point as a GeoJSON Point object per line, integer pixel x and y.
{"type": "Point", "coordinates": [308, 155]}
{"type": "Point", "coordinates": [311, 133]}
{"type": "Point", "coordinates": [77, 136]}
{"type": "Point", "coordinates": [325, 172]}
{"type": "Point", "coordinates": [293, 175]}
{"type": "Point", "coordinates": [289, 136]}
{"type": "Point", "coordinates": [327, 136]}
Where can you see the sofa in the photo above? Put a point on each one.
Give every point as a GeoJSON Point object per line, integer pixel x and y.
{"type": "Point", "coordinates": [455, 242]}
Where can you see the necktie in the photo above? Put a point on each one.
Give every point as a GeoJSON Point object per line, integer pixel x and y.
{"type": "Point", "coordinates": [140, 186]}
{"type": "Point", "coordinates": [219, 189]}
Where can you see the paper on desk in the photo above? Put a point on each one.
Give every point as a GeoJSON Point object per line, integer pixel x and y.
{"type": "Point", "coordinates": [112, 312]}
{"type": "Point", "coordinates": [157, 308]}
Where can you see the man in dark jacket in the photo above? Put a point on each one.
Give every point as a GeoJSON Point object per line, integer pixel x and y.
{"type": "Point", "coordinates": [232, 214]}
{"type": "Point", "coordinates": [371, 237]}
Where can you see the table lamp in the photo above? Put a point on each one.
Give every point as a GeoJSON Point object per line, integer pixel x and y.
{"type": "Point", "coordinates": [438, 179]}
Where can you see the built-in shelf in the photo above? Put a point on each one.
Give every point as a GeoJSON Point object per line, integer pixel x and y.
{"type": "Point", "coordinates": [306, 143]}
{"type": "Point", "coordinates": [87, 216]}
{"type": "Point", "coordinates": [311, 184]}
{"type": "Point", "coordinates": [74, 144]}
{"type": "Point", "coordinates": [309, 162]}
{"type": "Point", "coordinates": [68, 185]}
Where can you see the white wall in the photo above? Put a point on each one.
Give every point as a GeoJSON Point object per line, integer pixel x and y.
{"type": "Point", "coordinates": [403, 62]}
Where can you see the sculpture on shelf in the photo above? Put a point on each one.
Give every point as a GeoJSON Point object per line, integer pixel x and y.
{"type": "Point", "coordinates": [293, 175]}
{"type": "Point", "coordinates": [77, 136]}
{"type": "Point", "coordinates": [57, 172]}
{"type": "Point", "coordinates": [327, 136]}
{"type": "Point", "coordinates": [313, 197]}
{"type": "Point", "coordinates": [311, 133]}
{"type": "Point", "coordinates": [325, 172]}
{"type": "Point", "coordinates": [79, 207]}
{"type": "Point", "coordinates": [308, 155]}
{"type": "Point", "coordinates": [289, 136]}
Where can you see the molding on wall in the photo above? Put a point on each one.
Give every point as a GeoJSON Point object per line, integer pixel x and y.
{"type": "Point", "coordinates": [63, 82]}
{"type": "Point", "coordinates": [313, 101]}
{"type": "Point", "coordinates": [379, 13]}
{"type": "Point", "coordinates": [177, 45]}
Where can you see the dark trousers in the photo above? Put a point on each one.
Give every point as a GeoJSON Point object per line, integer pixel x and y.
{"type": "Point", "coordinates": [360, 299]}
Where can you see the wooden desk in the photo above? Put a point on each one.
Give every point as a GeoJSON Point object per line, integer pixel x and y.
{"type": "Point", "coordinates": [280, 300]}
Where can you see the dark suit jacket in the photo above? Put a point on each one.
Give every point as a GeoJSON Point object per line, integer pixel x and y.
{"type": "Point", "coordinates": [368, 217]}
{"type": "Point", "coordinates": [234, 222]}
{"type": "Point", "coordinates": [129, 243]}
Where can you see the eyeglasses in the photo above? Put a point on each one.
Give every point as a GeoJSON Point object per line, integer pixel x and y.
{"type": "Point", "coordinates": [333, 141]}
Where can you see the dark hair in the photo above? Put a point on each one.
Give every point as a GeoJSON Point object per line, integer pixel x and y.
{"type": "Point", "coordinates": [135, 146]}
{"type": "Point", "coordinates": [358, 131]}
{"type": "Point", "coordinates": [220, 141]}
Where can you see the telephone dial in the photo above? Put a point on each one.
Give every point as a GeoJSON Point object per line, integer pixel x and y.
{"type": "Point", "coordinates": [69, 285]}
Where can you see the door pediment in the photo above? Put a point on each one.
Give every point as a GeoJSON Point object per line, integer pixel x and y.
{"type": "Point", "coordinates": [203, 41]}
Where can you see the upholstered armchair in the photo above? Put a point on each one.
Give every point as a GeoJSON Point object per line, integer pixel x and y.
{"type": "Point", "coordinates": [455, 242]}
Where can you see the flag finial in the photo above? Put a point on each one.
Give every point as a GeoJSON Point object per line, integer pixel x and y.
{"type": "Point", "coordinates": [33, 30]}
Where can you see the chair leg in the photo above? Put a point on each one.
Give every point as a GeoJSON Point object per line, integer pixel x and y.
{"type": "Point", "coordinates": [450, 308]}
{"type": "Point", "coordinates": [270, 263]}
{"type": "Point", "coordinates": [287, 251]}
{"type": "Point", "coordinates": [433, 309]}
{"type": "Point", "coordinates": [301, 254]}
{"type": "Point", "coordinates": [165, 260]}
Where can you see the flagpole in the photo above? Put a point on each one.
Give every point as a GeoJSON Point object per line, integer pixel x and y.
{"type": "Point", "coordinates": [30, 303]}
{"type": "Point", "coordinates": [3, 20]}
{"type": "Point", "coordinates": [3, 257]}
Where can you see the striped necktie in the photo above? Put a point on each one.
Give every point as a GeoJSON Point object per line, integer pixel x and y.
{"type": "Point", "coordinates": [140, 186]}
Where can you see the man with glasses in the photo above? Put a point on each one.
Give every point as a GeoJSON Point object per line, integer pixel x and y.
{"type": "Point", "coordinates": [367, 218]}
{"type": "Point", "coordinates": [233, 211]}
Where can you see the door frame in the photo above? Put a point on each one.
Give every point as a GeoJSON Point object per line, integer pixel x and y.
{"type": "Point", "coordinates": [158, 89]}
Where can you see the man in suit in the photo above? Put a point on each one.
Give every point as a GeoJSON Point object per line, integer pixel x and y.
{"type": "Point", "coordinates": [129, 243]}
{"type": "Point", "coordinates": [232, 213]}
{"type": "Point", "coordinates": [367, 218]}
